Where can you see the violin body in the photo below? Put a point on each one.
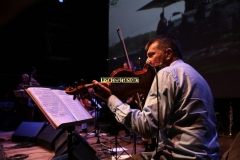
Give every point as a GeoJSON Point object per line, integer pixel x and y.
{"type": "Point", "coordinates": [125, 90]}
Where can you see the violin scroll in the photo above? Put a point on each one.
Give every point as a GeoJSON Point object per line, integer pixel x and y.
{"type": "Point", "coordinates": [77, 89]}
{"type": "Point", "coordinates": [82, 91]}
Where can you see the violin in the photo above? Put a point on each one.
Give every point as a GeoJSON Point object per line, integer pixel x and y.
{"type": "Point", "coordinates": [124, 90]}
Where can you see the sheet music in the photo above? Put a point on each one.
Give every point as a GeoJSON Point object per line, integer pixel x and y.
{"type": "Point", "coordinates": [75, 107]}
{"type": "Point", "coordinates": [55, 104]}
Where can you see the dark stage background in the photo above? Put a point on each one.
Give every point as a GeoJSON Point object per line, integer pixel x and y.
{"type": "Point", "coordinates": [65, 42]}
{"type": "Point", "coordinates": [70, 41]}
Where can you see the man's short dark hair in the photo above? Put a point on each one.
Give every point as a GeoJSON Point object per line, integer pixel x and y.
{"type": "Point", "coordinates": [166, 41]}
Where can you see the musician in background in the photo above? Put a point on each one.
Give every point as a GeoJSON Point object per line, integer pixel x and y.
{"type": "Point", "coordinates": [125, 66]}
{"type": "Point", "coordinates": [26, 80]}
{"type": "Point", "coordinates": [26, 102]}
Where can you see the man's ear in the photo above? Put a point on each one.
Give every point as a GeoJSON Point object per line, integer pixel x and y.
{"type": "Point", "coordinates": [169, 53]}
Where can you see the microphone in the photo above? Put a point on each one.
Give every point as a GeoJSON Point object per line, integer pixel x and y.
{"type": "Point", "coordinates": [112, 59]}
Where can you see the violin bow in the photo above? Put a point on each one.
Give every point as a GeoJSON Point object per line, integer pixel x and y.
{"type": "Point", "coordinates": [128, 62]}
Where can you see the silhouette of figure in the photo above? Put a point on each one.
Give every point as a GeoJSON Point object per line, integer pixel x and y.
{"type": "Point", "coordinates": [218, 17]}
{"type": "Point", "coordinates": [162, 25]}
{"type": "Point", "coordinates": [171, 30]}
{"type": "Point", "coordinates": [184, 28]}
{"type": "Point", "coordinates": [199, 16]}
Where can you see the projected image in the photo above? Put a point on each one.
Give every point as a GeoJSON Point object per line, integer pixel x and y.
{"type": "Point", "coordinates": [209, 32]}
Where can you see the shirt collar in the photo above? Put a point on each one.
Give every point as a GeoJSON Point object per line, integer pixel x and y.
{"type": "Point", "coordinates": [176, 62]}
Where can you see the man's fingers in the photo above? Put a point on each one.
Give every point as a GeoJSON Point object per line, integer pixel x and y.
{"type": "Point", "coordinates": [96, 83]}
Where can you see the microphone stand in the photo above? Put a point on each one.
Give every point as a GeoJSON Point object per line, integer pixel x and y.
{"type": "Point", "coordinates": [97, 130]}
{"type": "Point", "coordinates": [134, 134]}
{"type": "Point", "coordinates": [117, 145]}
{"type": "Point", "coordinates": [97, 114]}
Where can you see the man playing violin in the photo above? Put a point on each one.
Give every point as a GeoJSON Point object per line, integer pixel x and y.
{"type": "Point", "coordinates": [179, 108]}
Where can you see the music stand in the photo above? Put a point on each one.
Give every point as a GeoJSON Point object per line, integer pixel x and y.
{"type": "Point", "coordinates": [72, 112]}
{"type": "Point", "coordinates": [20, 94]}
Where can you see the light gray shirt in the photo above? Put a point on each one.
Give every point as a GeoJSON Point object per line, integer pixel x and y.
{"type": "Point", "coordinates": [180, 106]}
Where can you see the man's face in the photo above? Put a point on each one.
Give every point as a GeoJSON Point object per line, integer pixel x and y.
{"type": "Point", "coordinates": [25, 79]}
{"type": "Point", "coordinates": [156, 56]}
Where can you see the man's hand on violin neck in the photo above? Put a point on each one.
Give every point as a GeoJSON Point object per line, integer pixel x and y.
{"type": "Point", "coordinates": [101, 90]}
